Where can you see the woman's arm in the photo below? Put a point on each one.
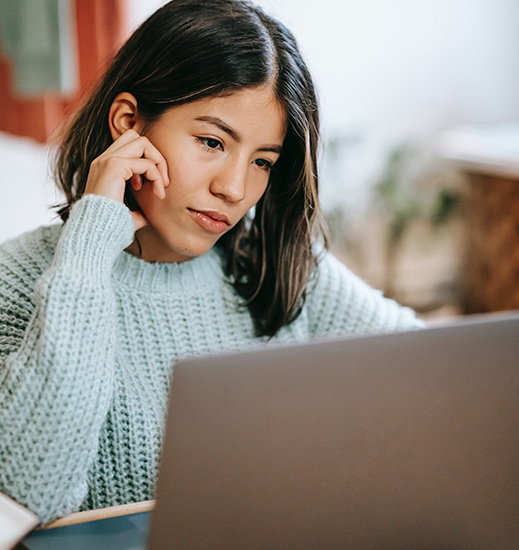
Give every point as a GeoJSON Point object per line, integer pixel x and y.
{"type": "Point", "coordinates": [339, 302]}
{"type": "Point", "coordinates": [56, 366]}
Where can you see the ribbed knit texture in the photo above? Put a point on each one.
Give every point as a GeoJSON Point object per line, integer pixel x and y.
{"type": "Point", "coordinates": [88, 338]}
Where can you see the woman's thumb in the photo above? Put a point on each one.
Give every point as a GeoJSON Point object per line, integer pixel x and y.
{"type": "Point", "coordinates": [139, 220]}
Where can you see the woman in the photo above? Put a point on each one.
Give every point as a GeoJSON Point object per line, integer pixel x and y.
{"type": "Point", "coordinates": [192, 226]}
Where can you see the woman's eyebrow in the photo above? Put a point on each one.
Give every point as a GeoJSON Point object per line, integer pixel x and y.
{"type": "Point", "coordinates": [218, 122]}
{"type": "Point", "coordinates": [222, 125]}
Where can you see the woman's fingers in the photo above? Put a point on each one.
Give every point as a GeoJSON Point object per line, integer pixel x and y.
{"type": "Point", "coordinates": [123, 139]}
{"type": "Point", "coordinates": [131, 144]}
{"type": "Point", "coordinates": [129, 158]}
{"type": "Point", "coordinates": [150, 171]}
{"type": "Point", "coordinates": [136, 182]}
{"type": "Point", "coordinates": [109, 173]}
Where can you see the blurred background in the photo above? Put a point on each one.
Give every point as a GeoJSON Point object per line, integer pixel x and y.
{"type": "Point", "coordinates": [420, 110]}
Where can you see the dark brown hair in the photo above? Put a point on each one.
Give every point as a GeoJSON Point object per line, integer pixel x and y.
{"type": "Point", "coordinates": [191, 49]}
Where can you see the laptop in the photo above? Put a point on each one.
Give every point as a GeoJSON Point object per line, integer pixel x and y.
{"type": "Point", "coordinates": [403, 440]}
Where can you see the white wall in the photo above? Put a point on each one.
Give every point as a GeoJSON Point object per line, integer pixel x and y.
{"type": "Point", "coordinates": [393, 71]}
{"type": "Point", "coordinates": [403, 68]}
{"type": "Point", "coordinates": [387, 71]}
{"type": "Point", "coordinates": [26, 188]}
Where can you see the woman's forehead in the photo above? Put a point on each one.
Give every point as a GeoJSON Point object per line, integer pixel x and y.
{"type": "Point", "coordinates": [248, 113]}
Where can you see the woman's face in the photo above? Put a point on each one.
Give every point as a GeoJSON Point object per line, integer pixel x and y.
{"type": "Point", "coordinates": [219, 153]}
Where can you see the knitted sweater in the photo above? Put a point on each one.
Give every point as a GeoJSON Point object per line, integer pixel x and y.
{"type": "Point", "coordinates": [88, 337]}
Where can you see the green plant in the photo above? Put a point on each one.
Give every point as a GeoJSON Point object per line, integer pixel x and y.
{"type": "Point", "coordinates": [403, 200]}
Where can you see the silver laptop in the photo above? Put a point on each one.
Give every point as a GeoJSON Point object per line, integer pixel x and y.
{"type": "Point", "coordinates": [394, 441]}
{"type": "Point", "coordinates": [397, 441]}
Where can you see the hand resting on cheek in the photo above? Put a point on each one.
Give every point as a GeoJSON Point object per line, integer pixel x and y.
{"type": "Point", "coordinates": [131, 157]}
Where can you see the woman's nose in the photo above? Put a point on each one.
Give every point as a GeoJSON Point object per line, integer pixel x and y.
{"type": "Point", "coordinates": [230, 182]}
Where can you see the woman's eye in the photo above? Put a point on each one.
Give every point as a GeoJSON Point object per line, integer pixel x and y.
{"type": "Point", "coordinates": [210, 143]}
{"type": "Point", "coordinates": [264, 163]}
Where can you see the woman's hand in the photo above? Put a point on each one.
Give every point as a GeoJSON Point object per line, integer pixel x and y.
{"type": "Point", "coordinates": [130, 157]}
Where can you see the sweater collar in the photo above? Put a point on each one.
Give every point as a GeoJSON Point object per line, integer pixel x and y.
{"type": "Point", "coordinates": [202, 271]}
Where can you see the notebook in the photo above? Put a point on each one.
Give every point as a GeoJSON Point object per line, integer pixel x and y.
{"type": "Point", "coordinates": [15, 521]}
{"type": "Point", "coordinates": [406, 440]}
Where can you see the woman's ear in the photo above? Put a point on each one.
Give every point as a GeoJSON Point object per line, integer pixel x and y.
{"type": "Point", "coordinates": [124, 115]}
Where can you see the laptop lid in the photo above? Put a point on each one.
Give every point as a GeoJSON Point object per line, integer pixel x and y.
{"type": "Point", "coordinates": [407, 440]}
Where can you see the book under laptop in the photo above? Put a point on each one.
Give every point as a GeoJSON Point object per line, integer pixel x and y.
{"type": "Point", "coordinates": [403, 440]}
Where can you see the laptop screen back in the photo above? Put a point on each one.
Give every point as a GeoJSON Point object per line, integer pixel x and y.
{"type": "Point", "coordinates": [406, 440]}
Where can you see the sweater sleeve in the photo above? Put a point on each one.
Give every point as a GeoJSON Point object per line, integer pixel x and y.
{"type": "Point", "coordinates": [339, 302]}
{"type": "Point", "coordinates": [56, 365]}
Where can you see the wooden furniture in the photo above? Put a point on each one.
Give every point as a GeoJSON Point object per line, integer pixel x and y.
{"type": "Point", "coordinates": [489, 156]}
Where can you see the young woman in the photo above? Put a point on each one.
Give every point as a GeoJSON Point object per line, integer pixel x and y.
{"type": "Point", "coordinates": [191, 226]}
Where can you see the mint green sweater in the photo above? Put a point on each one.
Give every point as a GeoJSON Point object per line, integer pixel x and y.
{"type": "Point", "coordinates": [88, 337]}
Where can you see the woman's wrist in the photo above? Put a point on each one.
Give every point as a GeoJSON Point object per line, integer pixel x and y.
{"type": "Point", "coordinates": [97, 231]}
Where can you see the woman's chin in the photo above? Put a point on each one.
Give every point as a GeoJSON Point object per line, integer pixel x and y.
{"type": "Point", "coordinates": [168, 251]}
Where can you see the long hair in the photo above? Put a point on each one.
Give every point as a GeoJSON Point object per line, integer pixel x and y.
{"type": "Point", "coordinates": [192, 49]}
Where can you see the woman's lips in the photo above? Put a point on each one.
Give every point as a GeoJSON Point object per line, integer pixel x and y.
{"type": "Point", "coordinates": [210, 220]}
